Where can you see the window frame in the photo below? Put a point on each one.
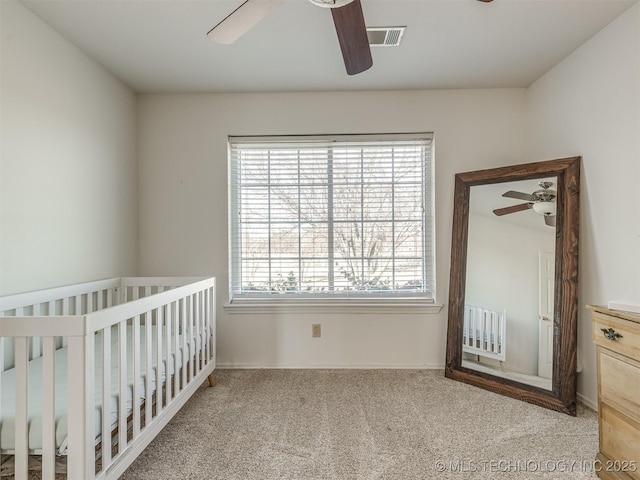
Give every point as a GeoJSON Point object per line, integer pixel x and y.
{"type": "Point", "coordinates": [411, 300]}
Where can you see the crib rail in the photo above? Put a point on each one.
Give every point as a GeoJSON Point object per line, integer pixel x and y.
{"type": "Point", "coordinates": [484, 332]}
{"type": "Point", "coordinates": [163, 329]}
{"type": "Point", "coordinates": [70, 299]}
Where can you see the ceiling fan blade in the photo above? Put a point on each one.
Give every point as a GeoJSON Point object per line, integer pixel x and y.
{"type": "Point", "coordinates": [352, 36]}
{"type": "Point", "coordinates": [512, 209]}
{"type": "Point", "coordinates": [550, 220]}
{"type": "Point", "coordinates": [519, 195]}
{"type": "Point", "coordinates": [241, 20]}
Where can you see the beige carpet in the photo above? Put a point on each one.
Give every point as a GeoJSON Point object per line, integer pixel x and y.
{"type": "Point", "coordinates": [364, 424]}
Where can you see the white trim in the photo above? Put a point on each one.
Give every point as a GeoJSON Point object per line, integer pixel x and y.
{"type": "Point", "coordinates": [400, 307]}
{"type": "Point", "coordinates": [588, 402]}
{"type": "Point", "coordinates": [368, 366]}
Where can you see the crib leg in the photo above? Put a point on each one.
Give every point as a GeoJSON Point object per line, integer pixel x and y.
{"type": "Point", "coordinates": [212, 381]}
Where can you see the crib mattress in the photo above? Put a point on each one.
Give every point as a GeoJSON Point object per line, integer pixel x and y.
{"type": "Point", "coordinates": [7, 425]}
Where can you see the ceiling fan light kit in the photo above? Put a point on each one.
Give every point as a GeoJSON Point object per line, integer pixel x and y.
{"type": "Point", "coordinates": [545, 208]}
{"type": "Point", "coordinates": [330, 3]}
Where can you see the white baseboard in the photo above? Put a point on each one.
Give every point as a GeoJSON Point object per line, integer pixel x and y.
{"type": "Point", "coordinates": [247, 366]}
{"type": "Point", "coordinates": [593, 405]}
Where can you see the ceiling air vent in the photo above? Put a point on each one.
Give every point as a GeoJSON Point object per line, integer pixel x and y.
{"type": "Point", "coordinates": [385, 36]}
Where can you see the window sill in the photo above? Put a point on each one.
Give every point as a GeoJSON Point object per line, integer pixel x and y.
{"type": "Point", "coordinates": [396, 306]}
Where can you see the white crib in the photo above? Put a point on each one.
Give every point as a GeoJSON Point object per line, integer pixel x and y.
{"type": "Point", "coordinates": [484, 332]}
{"type": "Point", "coordinates": [133, 348]}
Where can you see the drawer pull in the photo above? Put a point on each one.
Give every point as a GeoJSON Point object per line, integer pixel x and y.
{"type": "Point", "coordinates": [610, 334]}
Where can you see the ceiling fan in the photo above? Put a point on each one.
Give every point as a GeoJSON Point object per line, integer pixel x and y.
{"type": "Point", "coordinates": [542, 201]}
{"type": "Point", "coordinates": [347, 18]}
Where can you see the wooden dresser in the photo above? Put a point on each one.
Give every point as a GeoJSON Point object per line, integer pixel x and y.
{"type": "Point", "coordinates": [617, 338]}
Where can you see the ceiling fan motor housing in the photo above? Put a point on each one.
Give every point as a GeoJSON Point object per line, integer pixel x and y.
{"type": "Point", "coordinates": [330, 3]}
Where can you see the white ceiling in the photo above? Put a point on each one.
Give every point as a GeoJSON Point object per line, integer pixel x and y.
{"type": "Point", "coordinates": [161, 45]}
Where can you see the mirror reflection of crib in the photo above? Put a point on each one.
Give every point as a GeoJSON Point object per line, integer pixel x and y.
{"type": "Point", "coordinates": [484, 332]}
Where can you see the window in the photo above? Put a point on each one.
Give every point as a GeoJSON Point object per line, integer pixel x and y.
{"type": "Point", "coordinates": [331, 216]}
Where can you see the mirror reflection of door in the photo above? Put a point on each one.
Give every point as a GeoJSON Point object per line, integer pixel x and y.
{"type": "Point", "coordinates": [509, 238]}
{"type": "Point", "coordinates": [545, 319]}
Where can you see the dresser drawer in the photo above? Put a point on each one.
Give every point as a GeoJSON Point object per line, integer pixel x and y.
{"type": "Point", "coordinates": [619, 440]}
{"type": "Point", "coordinates": [619, 385]}
{"type": "Point", "coordinates": [628, 344]}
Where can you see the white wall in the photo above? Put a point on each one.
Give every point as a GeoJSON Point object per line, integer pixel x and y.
{"type": "Point", "coordinates": [183, 206]}
{"type": "Point", "coordinates": [589, 105]}
{"type": "Point", "coordinates": [68, 171]}
{"type": "Point", "coordinates": [502, 273]}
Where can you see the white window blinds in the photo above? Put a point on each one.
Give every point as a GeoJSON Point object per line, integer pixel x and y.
{"type": "Point", "coordinates": [331, 216]}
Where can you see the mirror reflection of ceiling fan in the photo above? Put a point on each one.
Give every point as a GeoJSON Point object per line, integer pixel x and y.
{"type": "Point", "coordinates": [347, 18]}
{"type": "Point", "coordinates": [542, 201]}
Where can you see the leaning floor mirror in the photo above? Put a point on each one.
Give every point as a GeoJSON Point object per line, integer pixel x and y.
{"type": "Point", "coordinates": [513, 291]}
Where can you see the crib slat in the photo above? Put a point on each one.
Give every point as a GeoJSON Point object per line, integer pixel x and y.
{"type": "Point", "coordinates": [490, 318]}
{"type": "Point", "coordinates": [36, 344]}
{"type": "Point", "coordinates": [212, 324]}
{"type": "Point", "coordinates": [136, 377]}
{"type": "Point", "coordinates": [81, 404]}
{"type": "Point", "coordinates": [197, 318]}
{"type": "Point", "coordinates": [89, 303]}
{"type": "Point", "coordinates": [474, 331]}
{"type": "Point", "coordinates": [207, 324]}
{"type": "Point", "coordinates": [106, 396]}
{"type": "Point", "coordinates": [122, 392]}
{"type": "Point", "coordinates": [185, 336]}
{"type": "Point", "coordinates": [48, 409]}
{"type": "Point", "coordinates": [486, 330]}
{"type": "Point", "coordinates": [158, 343]}
{"type": "Point", "coordinates": [494, 332]}
{"type": "Point", "coordinates": [192, 339]}
{"type": "Point", "coordinates": [21, 354]}
{"type": "Point", "coordinates": [203, 340]}
{"type": "Point", "coordinates": [203, 330]}
{"type": "Point", "coordinates": [175, 306]}
{"type": "Point", "coordinates": [479, 328]}
{"type": "Point", "coordinates": [194, 334]}
{"type": "Point", "coordinates": [148, 372]}
{"type": "Point", "coordinates": [100, 299]}
{"type": "Point", "coordinates": [168, 363]}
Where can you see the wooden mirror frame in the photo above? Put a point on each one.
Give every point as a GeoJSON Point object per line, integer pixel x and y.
{"type": "Point", "coordinates": [562, 396]}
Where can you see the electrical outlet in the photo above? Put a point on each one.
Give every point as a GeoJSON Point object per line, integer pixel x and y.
{"type": "Point", "coordinates": [315, 330]}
